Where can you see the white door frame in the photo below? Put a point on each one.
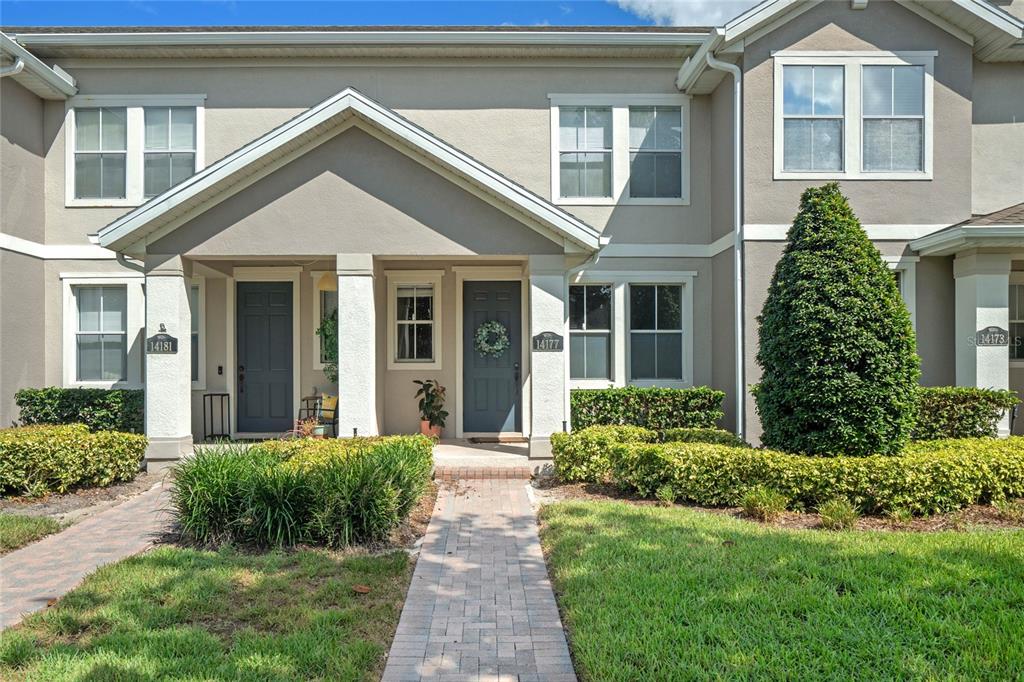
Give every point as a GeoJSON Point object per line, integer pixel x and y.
{"type": "Point", "coordinates": [493, 273]}
{"type": "Point", "coordinates": [288, 273]}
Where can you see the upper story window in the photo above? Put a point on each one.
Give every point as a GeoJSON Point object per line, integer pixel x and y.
{"type": "Point", "coordinates": [611, 149]}
{"type": "Point", "coordinates": [860, 116]}
{"type": "Point", "coordinates": [123, 150]}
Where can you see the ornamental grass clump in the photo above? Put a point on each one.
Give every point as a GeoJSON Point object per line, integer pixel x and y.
{"type": "Point", "coordinates": [837, 347]}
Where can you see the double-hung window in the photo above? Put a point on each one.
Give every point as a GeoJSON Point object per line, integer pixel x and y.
{"type": "Point", "coordinates": [655, 332]}
{"type": "Point", "coordinates": [101, 347]}
{"type": "Point", "coordinates": [590, 331]}
{"type": "Point", "coordinates": [585, 151]}
{"type": "Point", "coordinates": [858, 116]}
{"type": "Point", "coordinates": [123, 150]}
{"type": "Point", "coordinates": [1017, 321]}
{"type": "Point", "coordinates": [415, 331]}
{"type": "Point", "coordinates": [655, 152]}
{"type": "Point", "coordinates": [812, 112]}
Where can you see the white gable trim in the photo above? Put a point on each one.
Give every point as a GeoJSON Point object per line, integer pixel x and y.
{"type": "Point", "coordinates": [147, 218]}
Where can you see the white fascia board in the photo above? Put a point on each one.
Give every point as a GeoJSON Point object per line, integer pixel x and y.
{"type": "Point", "coordinates": [956, 238]}
{"type": "Point", "coordinates": [134, 224]}
{"type": "Point", "coordinates": [756, 17]}
{"type": "Point", "coordinates": [285, 38]}
{"type": "Point", "coordinates": [60, 84]}
{"type": "Point", "coordinates": [994, 16]}
{"type": "Point", "coordinates": [695, 65]}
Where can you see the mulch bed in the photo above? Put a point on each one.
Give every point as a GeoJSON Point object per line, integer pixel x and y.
{"type": "Point", "coordinates": [974, 517]}
{"type": "Point", "coordinates": [79, 503]}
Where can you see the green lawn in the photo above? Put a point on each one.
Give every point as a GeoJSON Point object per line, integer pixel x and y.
{"type": "Point", "coordinates": [182, 614]}
{"type": "Point", "coordinates": [654, 593]}
{"type": "Point", "coordinates": [17, 531]}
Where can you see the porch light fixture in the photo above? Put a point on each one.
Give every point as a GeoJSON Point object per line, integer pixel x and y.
{"type": "Point", "coordinates": [327, 282]}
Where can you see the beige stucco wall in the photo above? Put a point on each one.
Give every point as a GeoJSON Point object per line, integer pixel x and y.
{"type": "Point", "coordinates": [882, 26]}
{"type": "Point", "coordinates": [998, 136]}
{"type": "Point", "coordinates": [22, 340]}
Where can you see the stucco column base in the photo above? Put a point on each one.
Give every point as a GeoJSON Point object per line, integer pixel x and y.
{"type": "Point", "coordinates": [547, 369]}
{"type": "Point", "coordinates": [357, 346]}
{"type": "Point", "coordinates": [540, 448]}
{"type": "Point", "coordinates": [162, 453]}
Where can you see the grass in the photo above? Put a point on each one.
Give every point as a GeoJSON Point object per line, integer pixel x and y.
{"type": "Point", "coordinates": [653, 593]}
{"type": "Point", "coordinates": [17, 531]}
{"type": "Point", "coordinates": [177, 613]}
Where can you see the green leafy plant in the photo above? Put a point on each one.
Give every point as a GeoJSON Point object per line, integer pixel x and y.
{"type": "Point", "coordinates": [702, 435]}
{"type": "Point", "coordinates": [1010, 510]}
{"type": "Point", "coordinates": [41, 459]}
{"type": "Point", "coordinates": [431, 404]}
{"type": "Point", "coordinates": [837, 514]}
{"type": "Point", "coordinates": [763, 504]}
{"type": "Point", "coordinates": [582, 456]}
{"type": "Point", "coordinates": [837, 347]}
{"type": "Point", "coordinates": [666, 495]}
{"type": "Point", "coordinates": [328, 333]}
{"type": "Point", "coordinates": [100, 409]}
{"type": "Point", "coordinates": [960, 411]}
{"type": "Point", "coordinates": [652, 408]}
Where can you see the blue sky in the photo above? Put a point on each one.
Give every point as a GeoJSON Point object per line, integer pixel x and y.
{"type": "Point", "coordinates": [367, 12]}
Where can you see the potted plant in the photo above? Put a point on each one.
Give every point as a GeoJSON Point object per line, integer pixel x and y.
{"type": "Point", "coordinates": [432, 412]}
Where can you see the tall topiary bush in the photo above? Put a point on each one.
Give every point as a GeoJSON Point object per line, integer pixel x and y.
{"type": "Point", "coordinates": [836, 344]}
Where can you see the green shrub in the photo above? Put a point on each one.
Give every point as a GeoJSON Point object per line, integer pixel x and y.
{"type": "Point", "coordinates": [99, 409]}
{"type": "Point", "coordinates": [41, 459]}
{"type": "Point", "coordinates": [582, 456]}
{"type": "Point", "coordinates": [763, 504]}
{"type": "Point", "coordinates": [960, 412]}
{"type": "Point", "coordinates": [719, 436]}
{"type": "Point", "coordinates": [836, 345]}
{"type": "Point", "coordinates": [331, 492]}
{"type": "Point", "coordinates": [931, 477]}
{"type": "Point", "coordinates": [652, 408]}
{"type": "Point", "coordinates": [837, 514]}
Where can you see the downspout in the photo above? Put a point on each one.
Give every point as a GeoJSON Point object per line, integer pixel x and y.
{"type": "Point", "coordinates": [737, 218]}
{"type": "Point", "coordinates": [123, 260]}
{"type": "Point", "coordinates": [14, 69]}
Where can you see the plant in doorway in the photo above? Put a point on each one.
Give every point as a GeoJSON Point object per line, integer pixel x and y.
{"type": "Point", "coordinates": [328, 333]}
{"type": "Point", "coordinates": [432, 412]}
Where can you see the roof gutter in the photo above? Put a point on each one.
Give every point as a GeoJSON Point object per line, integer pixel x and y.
{"type": "Point", "coordinates": [737, 217]}
{"type": "Point", "coordinates": [61, 84]}
{"type": "Point", "coordinates": [694, 66]}
{"type": "Point", "coordinates": [14, 69]}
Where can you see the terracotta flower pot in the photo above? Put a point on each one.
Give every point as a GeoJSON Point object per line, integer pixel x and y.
{"type": "Point", "coordinates": [427, 430]}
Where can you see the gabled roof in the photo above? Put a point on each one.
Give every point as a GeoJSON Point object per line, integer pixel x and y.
{"type": "Point", "coordinates": [1001, 229]}
{"type": "Point", "coordinates": [236, 170]}
{"type": "Point", "coordinates": [34, 74]}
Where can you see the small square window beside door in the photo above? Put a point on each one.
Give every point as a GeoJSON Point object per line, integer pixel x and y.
{"type": "Point", "coordinates": [328, 307]}
{"type": "Point", "coordinates": [101, 150]}
{"type": "Point", "coordinates": [101, 349]}
{"type": "Point", "coordinates": [590, 331]}
{"type": "Point", "coordinates": [655, 332]}
{"type": "Point", "coordinates": [812, 111]}
{"type": "Point", "coordinates": [585, 151]}
{"type": "Point", "coordinates": [415, 324]}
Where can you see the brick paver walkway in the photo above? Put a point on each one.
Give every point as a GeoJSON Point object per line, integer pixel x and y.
{"type": "Point", "coordinates": [33, 575]}
{"type": "Point", "coordinates": [480, 606]}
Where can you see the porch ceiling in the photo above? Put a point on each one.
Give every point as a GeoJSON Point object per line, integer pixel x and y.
{"type": "Point", "coordinates": [166, 212]}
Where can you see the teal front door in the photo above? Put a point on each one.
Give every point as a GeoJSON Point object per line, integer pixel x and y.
{"type": "Point", "coordinates": [491, 384]}
{"type": "Point", "coordinates": [264, 334]}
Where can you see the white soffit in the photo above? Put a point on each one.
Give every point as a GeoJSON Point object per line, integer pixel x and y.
{"type": "Point", "coordinates": [211, 185]}
{"type": "Point", "coordinates": [35, 75]}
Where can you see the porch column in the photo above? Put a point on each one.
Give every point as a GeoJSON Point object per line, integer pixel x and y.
{"type": "Point", "coordinates": [168, 374]}
{"type": "Point", "coordinates": [547, 369]}
{"type": "Point", "coordinates": [982, 300]}
{"type": "Point", "coordinates": [357, 346]}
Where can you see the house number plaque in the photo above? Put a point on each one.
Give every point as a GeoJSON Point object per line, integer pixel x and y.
{"type": "Point", "coordinates": [547, 342]}
{"type": "Point", "coordinates": [992, 336]}
{"type": "Point", "coordinates": [161, 344]}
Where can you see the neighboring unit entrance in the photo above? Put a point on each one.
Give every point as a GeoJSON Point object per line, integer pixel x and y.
{"type": "Point", "coordinates": [492, 399]}
{"type": "Point", "coordinates": [264, 329]}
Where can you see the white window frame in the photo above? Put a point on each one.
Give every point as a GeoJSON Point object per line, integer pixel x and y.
{"type": "Point", "coordinates": [135, 121]}
{"type": "Point", "coordinates": [1016, 279]}
{"type": "Point", "coordinates": [620, 282]}
{"type": "Point", "coordinates": [425, 278]}
{"type": "Point", "coordinates": [620, 105]}
{"type": "Point", "coordinates": [134, 324]}
{"type": "Point", "coordinates": [317, 275]}
{"type": "Point", "coordinates": [200, 282]}
{"type": "Point", "coordinates": [907, 267]}
{"type": "Point", "coordinates": [853, 63]}
{"type": "Point", "coordinates": [610, 332]}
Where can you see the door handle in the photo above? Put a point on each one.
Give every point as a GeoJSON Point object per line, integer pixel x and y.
{"type": "Point", "coordinates": [241, 378]}
{"type": "Point", "coordinates": [515, 368]}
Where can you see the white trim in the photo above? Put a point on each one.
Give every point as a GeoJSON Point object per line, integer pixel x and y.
{"type": "Point", "coordinates": [48, 83]}
{"type": "Point", "coordinates": [54, 251]}
{"type": "Point", "coordinates": [347, 103]}
{"type": "Point", "coordinates": [134, 106]}
{"type": "Point", "coordinates": [876, 232]}
{"type": "Point", "coordinates": [620, 151]}
{"type": "Point", "coordinates": [960, 237]}
{"type": "Point", "coordinates": [284, 273]}
{"type": "Point", "coordinates": [431, 278]}
{"type": "Point", "coordinates": [200, 281]}
{"type": "Point", "coordinates": [620, 281]}
{"type": "Point", "coordinates": [488, 274]}
{"type": "Point", "coordinates": [853, 63]}
{"type": "Point", "coordinates": [907, 267]}
{"type": "Point", "coordinates": [135, 322]}
{"type": "Point", "coordinates": [614, 250]}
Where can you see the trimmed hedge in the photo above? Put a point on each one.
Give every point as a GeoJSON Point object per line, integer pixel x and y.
{"type": "Point", "coordinates": [332, 492]}
{"type": "Point", "coordinates": [960, 412]}
{"type": "Point", "coordinates": [41, 459]}
{"type": "Point", "coordinates": [932, 477]}
{"type": "Point", "coordinates": [651, 408]}
{"type": "Point", "coordinates": [717, 436]}
{"type": "Point", "coordinates": [99, 409]}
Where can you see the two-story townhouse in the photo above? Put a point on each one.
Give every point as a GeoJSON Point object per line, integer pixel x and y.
{"type": "Point", "coordinates": [597, 193]}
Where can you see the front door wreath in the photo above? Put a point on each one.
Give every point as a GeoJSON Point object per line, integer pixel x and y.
{"type": "Point", "coordinates": [491, 339]}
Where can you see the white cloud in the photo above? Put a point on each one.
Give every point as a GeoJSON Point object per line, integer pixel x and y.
{"type": "Point", "coordinates": [686, 12]}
